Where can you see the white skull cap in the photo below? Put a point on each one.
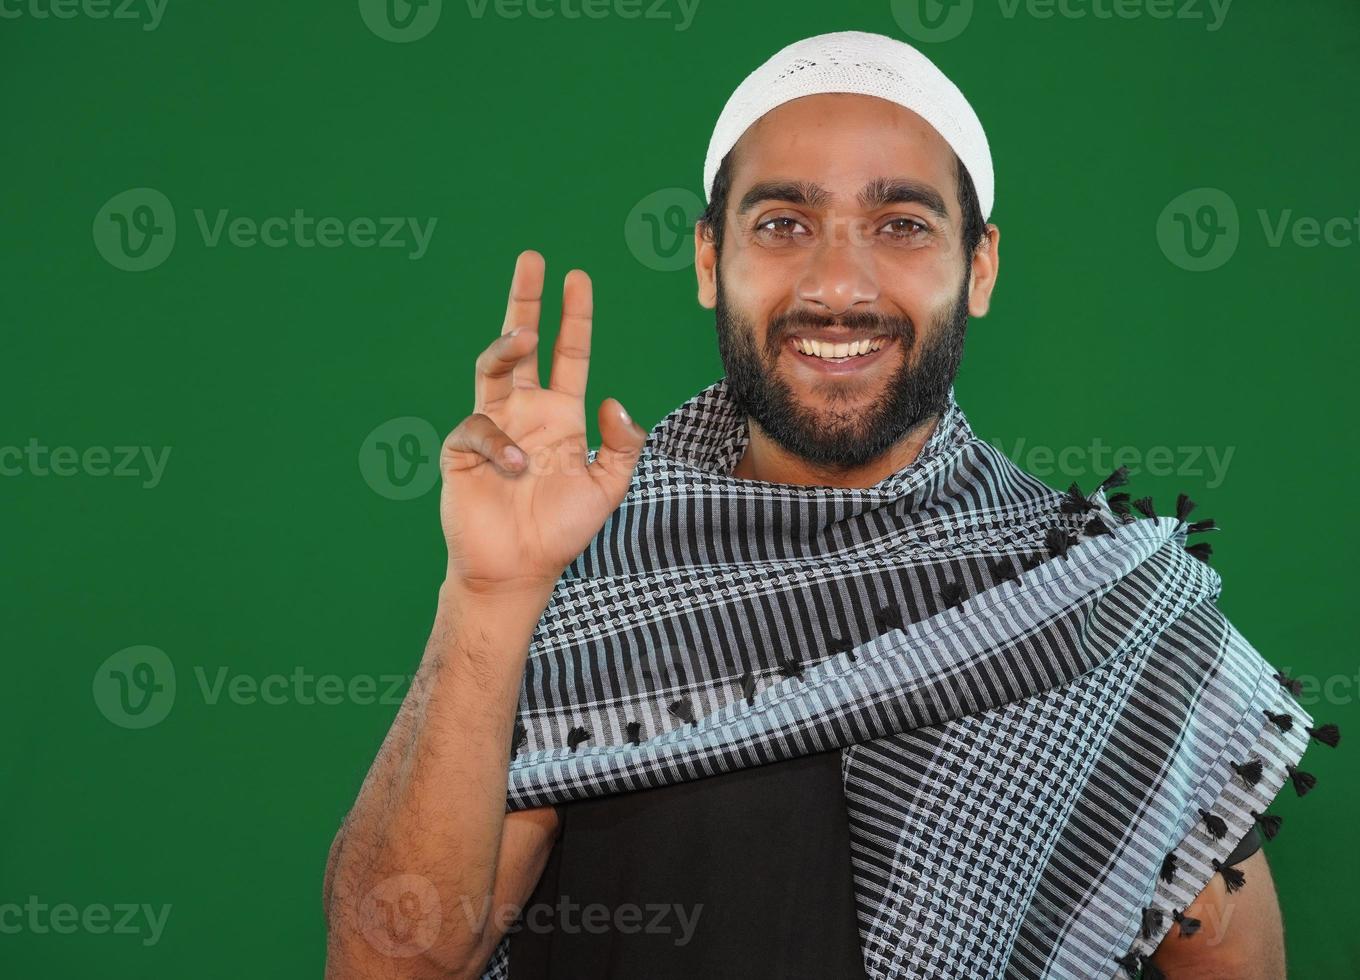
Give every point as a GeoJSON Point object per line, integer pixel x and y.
{"type": "Point", "coordinates": [864, 64]}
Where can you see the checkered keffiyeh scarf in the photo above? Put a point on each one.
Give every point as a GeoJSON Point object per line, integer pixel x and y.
{"type": "Point", "coordinates": [1049, 733]}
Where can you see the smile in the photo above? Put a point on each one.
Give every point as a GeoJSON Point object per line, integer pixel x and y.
{"type": "Point", "coordinates": [838, 358]}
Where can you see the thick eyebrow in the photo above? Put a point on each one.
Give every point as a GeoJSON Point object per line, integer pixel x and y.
{"type": "Point", "coordinates": [876, 193]}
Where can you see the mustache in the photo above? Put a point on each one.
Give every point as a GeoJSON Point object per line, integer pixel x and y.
{"type": "Point", "coordinates": [863, 321]}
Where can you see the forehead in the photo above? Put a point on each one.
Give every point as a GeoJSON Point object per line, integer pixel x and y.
{"type": "Point", "coordinates": [842, 141]}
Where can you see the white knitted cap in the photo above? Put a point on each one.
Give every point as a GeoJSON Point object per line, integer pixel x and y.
{"type": "Point", "coordinates": [864, 64]}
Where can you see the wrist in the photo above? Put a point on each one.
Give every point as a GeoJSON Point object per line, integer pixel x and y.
{"type": "Point", "coordinates": [519, 595]}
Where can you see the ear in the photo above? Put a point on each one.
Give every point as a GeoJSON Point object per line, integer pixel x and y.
{"type": "Point", "coordinates": [982, 277]}
{"type": "Point", "coordinates": [705, 265]}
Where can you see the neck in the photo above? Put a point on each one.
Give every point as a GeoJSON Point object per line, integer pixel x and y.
{"type": "Point", "coordinates": [766, 460]}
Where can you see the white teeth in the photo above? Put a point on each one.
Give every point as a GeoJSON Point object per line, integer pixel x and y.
{"type": "Point", "coordinates": [819, 348]}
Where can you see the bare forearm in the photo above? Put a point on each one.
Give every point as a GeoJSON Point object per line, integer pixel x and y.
{"type": "Point", "coordinates": [433, 803]}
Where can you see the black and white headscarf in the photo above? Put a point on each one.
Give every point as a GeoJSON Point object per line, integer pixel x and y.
{"type": "Point", "coordinates": [1050, 735]}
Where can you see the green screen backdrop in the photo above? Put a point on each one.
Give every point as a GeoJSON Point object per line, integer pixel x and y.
{"type": "Point", "coordinates": [250, 250]}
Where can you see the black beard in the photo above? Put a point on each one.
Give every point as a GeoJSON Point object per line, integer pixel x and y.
{"type": "Point", "coordinates": [840, 441]}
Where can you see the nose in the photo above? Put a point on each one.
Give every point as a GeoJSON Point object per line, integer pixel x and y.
{"type": "Point", "coordinates": [839, 273]}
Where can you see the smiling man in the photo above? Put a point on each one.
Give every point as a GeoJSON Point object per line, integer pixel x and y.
{"type": "Point", "coordinates": [809, 681]}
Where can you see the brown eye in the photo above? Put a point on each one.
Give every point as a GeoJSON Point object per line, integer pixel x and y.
{"type": "Point", "coordinates": [905, 228]}
{"type": "Point", "coordinates": [781, 227]}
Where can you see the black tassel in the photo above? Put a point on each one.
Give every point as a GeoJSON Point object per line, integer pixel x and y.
{"type": "Point", "coordinates": [1057, 541]}
{"type": "Point", "coordinates": [952, 594]}
{"type": "Point", "coordinates": [682, 710]}
{"type": "Point", "coordinates": [634, 732]}
{"type": "Point", "coordinates": [790, 667]}
{"type": "Point", "coordinates": [1144, 506]}
{"type": "Point", "coordinates": [1268, 822]}
{"type": "Point", "coordinates": [518, 739]}
{"type": "Point", "coordinates": [748, 687]}
{"type": "Point", "coordinates": [1152, 922]}
{"type": "Point", "coordinates": [1188, 923]}
{"type": "Point", "coordinates": [1169, 865]}
{"type": "Point", "coordinates": [1119, 503]}
{"type": "Point", "coordinates": [1095, 527]}
{"type": "Point", "coordinates": [1116, 479]}
{"type": "Point", "coordinates": [888, 618]}
{"type": "Point", "coordinates": [1326, 734]}
{"type": "Point", "coordinates": [1232, 878]}
{"type": "Point", "coordinates": [845, 645]}
{"type": "Point", "coordinates": [1303, 781]}
{"type": "Point", "coordinates": [576, 736]}
{"type": "Point", "coordinates": [1002, 569]}
{"type": "Point", "coordinates": [1204, 525]}
{"type": "Point", "coordinates": [1030, 562]}
{"type": "Point", "coordinates": [1282, 722]}
{"type": "Point", "coordinates": [1201, 550]}
{"type": "Point", "coordinates": [1250, 771]}
{"type": "Point", "coordinates": [1074, 501]}
{"type": "Point", "coordinates": [1290, 684]}
{"type": "Point", "coordinates": [1130, 963]}
{"type": "Point", "coordinates": [1184, 505]}
{"type": "Point", "coordinates": [1151, 971]}
{"type": "Point", "coordinates": [1214, 824]}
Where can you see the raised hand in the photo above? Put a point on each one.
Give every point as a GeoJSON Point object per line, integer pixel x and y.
{"type": "Point", "coordinates": [518, 501]}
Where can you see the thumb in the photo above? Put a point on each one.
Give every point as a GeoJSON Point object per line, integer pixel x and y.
{"type": "Point", "coordinates": [621, 444]}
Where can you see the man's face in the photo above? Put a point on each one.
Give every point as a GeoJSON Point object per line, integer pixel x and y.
{"type": "Point", "coordinates": [842, 227]}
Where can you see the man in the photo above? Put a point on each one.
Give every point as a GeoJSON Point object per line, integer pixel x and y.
{"type": "Point", "coordinates": [818, 680]}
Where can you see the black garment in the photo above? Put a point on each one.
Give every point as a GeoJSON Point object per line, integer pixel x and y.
{"type": "Point", "coordinates": [758, 861]}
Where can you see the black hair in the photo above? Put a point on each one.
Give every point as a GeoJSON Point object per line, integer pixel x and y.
{"type": "Point", "coordinates": [974, 225]}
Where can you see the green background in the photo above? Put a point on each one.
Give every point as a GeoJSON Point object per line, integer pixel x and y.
{"type": "Point", "coordinates": [264, 549]}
